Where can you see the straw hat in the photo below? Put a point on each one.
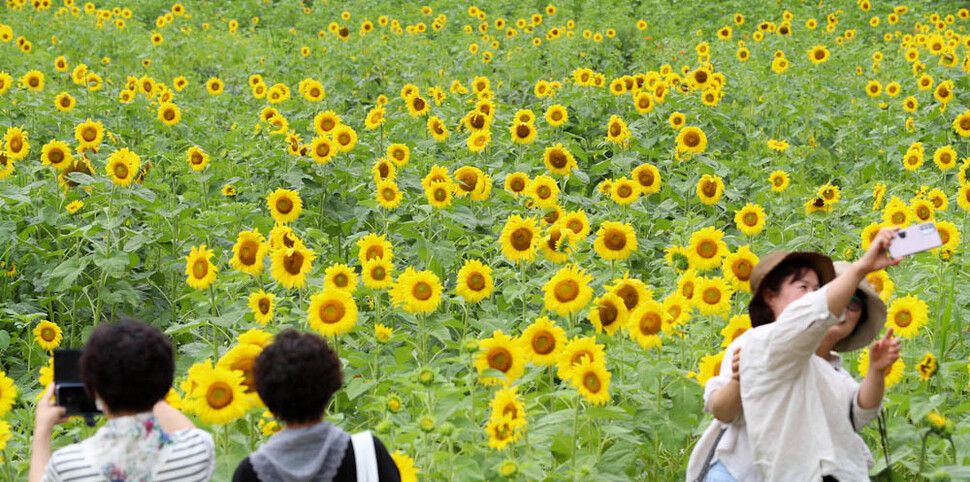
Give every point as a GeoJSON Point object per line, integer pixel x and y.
{"type": "Point", "coordinates": [870, 326]}
{"type": "Point", "coordinates": [822, 264]}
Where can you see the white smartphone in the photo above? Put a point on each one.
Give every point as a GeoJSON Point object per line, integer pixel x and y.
{"type": "Point", "coordinates": [915, 239]}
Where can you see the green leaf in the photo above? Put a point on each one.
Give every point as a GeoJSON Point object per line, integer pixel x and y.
{"type": "Point", "coordinates": [65, 273]}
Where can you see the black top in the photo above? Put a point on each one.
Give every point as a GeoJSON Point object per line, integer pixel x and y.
{"type": "Point", "coordinates": [386, 469]}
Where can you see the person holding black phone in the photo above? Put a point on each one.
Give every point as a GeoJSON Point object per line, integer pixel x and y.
{"type": "Point", "coordinates": [127, 369]}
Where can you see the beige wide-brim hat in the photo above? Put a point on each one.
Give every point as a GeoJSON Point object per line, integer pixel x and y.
{"type": "Point", "coordinates": [870, 326]}
{"type": "Point", "coordinates": [821, 263]}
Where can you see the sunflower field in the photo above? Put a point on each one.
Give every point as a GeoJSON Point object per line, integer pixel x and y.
{"type": "Point", "coordinates": [527, 227]}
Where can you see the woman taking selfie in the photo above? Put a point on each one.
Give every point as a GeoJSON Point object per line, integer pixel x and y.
{"type": "Point", "coordinates": [802, 414]}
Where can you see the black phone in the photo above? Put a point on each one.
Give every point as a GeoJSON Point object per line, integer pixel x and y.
{"type": "Point", "coordinates": [69, 390]}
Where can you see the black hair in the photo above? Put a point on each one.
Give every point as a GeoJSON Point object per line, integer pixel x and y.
{"type": "Point", "coordinates": [129, 365]}
{"type": "Point", "coordinates": [297, 375]}
{"type": "Point", "coordinates": [758, 309]}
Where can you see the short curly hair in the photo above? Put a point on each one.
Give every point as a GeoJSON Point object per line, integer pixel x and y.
{"type": "Point", "coordinates": [129, 365]}
{"type": "Point", "coordinates": [297, 375]}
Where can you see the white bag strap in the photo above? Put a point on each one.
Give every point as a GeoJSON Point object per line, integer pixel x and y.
{"type": "Point", "coordinates": [365, 456]}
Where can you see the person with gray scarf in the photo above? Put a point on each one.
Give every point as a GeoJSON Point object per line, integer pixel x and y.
{"type": "Point", "coordinates": [295, 377]}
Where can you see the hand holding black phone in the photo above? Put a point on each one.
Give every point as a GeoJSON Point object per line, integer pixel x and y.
{"type": "Point", "coordinates": [68, 387]}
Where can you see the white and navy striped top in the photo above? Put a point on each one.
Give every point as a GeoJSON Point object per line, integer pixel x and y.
{"type": "Point", "coordinates": [191, 458]}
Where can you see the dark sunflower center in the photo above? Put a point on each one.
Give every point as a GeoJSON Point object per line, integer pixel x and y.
{"type": "Point", "coordinates": [264, 305]}
{"type": "Point", "coordinates": [903, 319]}
{"type": "Point", "coordinates": [332, 311]}
{"type": "Point", "coordinates": [476, 281]}
{"type": "Point", "coordinates": [284, 205]}
{"type": "Point", "coordinates": [543, 192]}
{"type": "Point", "coordinates": [323, 150]}
{"type": "Point", "coordinates": [712, 296]}
{"type": "Point", "coordinates": [418, 103]}
{"type": "Point", "coordinates": [615, 129]}
{"type": "Point", "coordinates": [750, 219]}
{"type": "Point", "coordinates": [388, 194]}
{"type": "Point", "coordinates": [898, 217]}
{"type": "Point", "coordinates": [522, 131]}
{"type": "Point", "coordinates": [566, 290]}
{"type": "Point", "coordinates": [650, 324]}
{"type": "Point", "coordinates": [624, 191]}
{"type": "Point", "coordinates": [247, 253]}
{"type": "Point", "coordinates": [89, 134]}
{"type": "Point", "coordinates": [688, 290]}
{"type": "Point", "coordinates": [517, 184]}
{"type": "Point", "coordinates": [378, 273]}
{"type": "Point", "coordinates": [645, 178]}
{"type": "Point", "coordinates": [121, 170]}
{"type": "Point", "coordinates": [468, 181]}
{"type": "Point", "coordinates": [608, 314]}
{"type": "Point", "coordinates": [422, 291]}
{"type": "Point", "coordinates": [615, 240]}
{"type": "Point", "coordinates": [709, 188]}
{"type": "Point", "coordinates": [56, 156]}
{"type": "Point", "coordinates": [293, 263]}
{"type": "Point", "coordinates": [48, 334]}
{"type": "Point", "coordinates": [543, 343]}
{"type": "Point", "coordinates": [522, 239]}
{"type": "Point", "coordinates": [707, 248]}
{"type": "Point", "coordinates": [557, 159]}
{"type": "Point", "coordinates": [440, 194]}
{"type": "Point", "coordinates": [691, 139]}
{"type": "Point", "coordinates": [218, 395]}
{"type": "Point", "coordinates": [500, 359]}
{"type": "Point", "coordinates": [341, 280]}
{"type": "Point", "coordinates": [592, 382]}
{"type": "Point", "coordinates": [375, 252]}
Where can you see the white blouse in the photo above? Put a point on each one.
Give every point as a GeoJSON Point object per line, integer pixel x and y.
{"type": "Point", "coordinates": [798, 407]}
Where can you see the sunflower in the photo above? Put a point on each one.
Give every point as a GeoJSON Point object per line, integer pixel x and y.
{"type": "Point", "coordinates": [557, 115]}
{"type": "Point", "coordinates": [16, 143]}
{"type": "Point", "coordinates": [961, 124]}
{"type": "Point", "coordinates": [261, 305]}
{"type": "Point", "coordinates": [322, 149]}
{"type": "Point", "coordinates": [617, 131]}
{"type": "Point", "coordinates": [568, 291]}
{"type": "Point", "coordinates": [340, 277]}
{"type": "Point", "coordinates": [74, 206]}
{"type": "Point", "coordinates": [376, 273]}
{"type": "Point", "coordinates": [57, 154]}
{"type": "Point", "coordinates": [437, 129]}
{"type": "Point", "coordinates": [691, 139]}
{"type": "Point", "coordinates": [478, 141]}
{"type": "Point", "coordinates": [559, 160]}
{"type": "Point", "coordinates": [906, 315]}
{"type": "Point", "coordinates": [927, 366]}
{"type": "Point", "coordinates": [544, 191]}
{"type": "Point", "coordinates": [893, 374]}
{"type": "Point", "coordinates": [507, 404]}
{"type": "Point", "coordinates": [345, 137]}
{"type": "Point", "coordinates": [471, 181]}
{"type": "Point", "coordinates": [736, 326]}
{"type": "Point", "coordinates": [122, 166]}
{"type": "Point", "coordinates": [522, 133]}
{"type": "Point", "coordinates": [33, 81]}
{"type": "Point", "coordinates": [648, 177]}
{"type": "Point", "coordinates": [949, 234]}
{"type": "Point", "coordinates": [417, 291]}
{"type": "Point", "coordinates": [779, 181]}
{"type": "Point", "coordinates": [737, 268]}
{"type": "Point", "coordinates": [197, 158]}
{"type": "Point", "coordinates": [502, 432]}
{"type": "Point", "coordinates": [615, 241]}
{"type": "Point", "coordinates": [248, 252]}
{"type": "Point", "coordinates": [517, 183]}
{"type": "Point", "coordinates": [577, 350]}
{"type": "Point", "coordinates": [713, 296]}
{"type": "Point", "coordinates": [439, 194]}
{"type": "Point", "coordinates": [291, 265]}
{"type": "Point", "coordinates": [707, 249]}
{"type": "Point", "coordinates": [945, 158]}
{"type": "Point", "coordinates": [896, 213]}
{"type": "Point", "coordinates": [64, 102]}
{"type": "Point", "coordinates": [624, 191]}
{"type": "Point", "coordinates": [388, 195]}
{"type": "Point", "coordinates": [474, 281]}
{"type": "Point", "coordinates": [577, 222]}
{"type": "Point", "coordinates": [922, 209]}
{"type": "Point", "coordinates": [818, 54]}
{"type": "Point", "coordinates": [503, 353]}
{"type": "Point", "coordinates": [284, 205]}
{"type": "Point", "coordinates": [873, 88]}
{"type": "Point", "coordinates": [47, 335]}
{"type": "Point", "coordinates": [710, 189]}
{"type": "Point", "coordinates": [89, 134]}
{"type": "Point", "coordinates": [399, 154]}
{"type": "Point", "coordinates": [646, 322]}
{"type": "Point", "coordinates": [375, 118]}
{"type": "Point", "coordinates": [519, 238]}
{"type": "Point", "coordinates": [219, 395]}
{"type": "Point", "coordinates": [6, 81]}
{"type": "Point", "coordinates": [816, 204]}
{"type": "Point", "coordinates": [938, 199]}
{"type": "Point", "coordinates": [214, 86]}
{"type": "Point", "coordinates": [8, 393]}
{"type": "Point", "coordinates": [592, 381]}
{"type": "Point", "coordinates": [913, 159]}
{"type": "Point", "coordinates": [631, 290]}
{"type": "Point", "coordinates": [241, 358]}
{"type": "Point", "coordinates": [332, 312]}
{"type": "Point", "coordinates": [373, 246]}
{"type": "Point", "coordinates": [199, 270]}
{"type": "Point", "coordinates": [417, 106]}
{"type": "Point", "coordinates": [325, 123]}
{"type": "Point", "coordinates": [405, 466]}
{"type": "Point", "coordinates": [543, 341]}
{"type": "Point", "coordinates": [169, 114]}
{"type": "Point", "coordinates": [750, 219]}
{"type": "Point", "coordinates": [609, 313]}
{"type": "Point", "coordinates": [944, 92]}
{"type": "Point", "coordinates": [710, 366]}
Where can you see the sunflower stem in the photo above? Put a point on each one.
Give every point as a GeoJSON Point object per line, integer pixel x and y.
{"type": "Point", "coordinates": [575, 440]}
{"type": "Point", "coordinates": [922, 453]}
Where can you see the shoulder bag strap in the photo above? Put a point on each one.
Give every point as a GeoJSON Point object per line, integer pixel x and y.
{"type": "Point", "coordinates": [710, 457]}
{"type": "Point", "coordinates": [365, 456]}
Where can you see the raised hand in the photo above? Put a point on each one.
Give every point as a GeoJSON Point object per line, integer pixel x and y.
{"type": "Point", "coordinates": [877, 257]}
{"type": "Point", "coordinates": [883, 352]}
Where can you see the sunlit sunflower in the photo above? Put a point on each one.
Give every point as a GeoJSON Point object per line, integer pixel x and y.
{"type": "Point", "coordinates": [248, 252]}
{"type": "Point", "coordinates": [405, 466]}
{"type": "Point", "coordinates": [169, 114]}
{"type": "Point", "coordinates": [961, 124]}
{"type": "Point", "coordinates": [324, 123]}
{"type": "Point", "coordinates": [122, 166]}
{"type": "Point", "coordinates": [502, 432]}
{"type": "Point", "coordinates": [322, 149]}
{"type": "Point", "coordinates": [710, 189]}
{"type": "Point", "coordinates": [219, 395]}
{"type": "Point", "coordinates": [478, 141]}
{"type": "Point", "coordinates": [608, 313]}
{"type": "Point", "coordinates": [57, 154]}
{"type": "Point", "coordinates": [241, 358]}
{"type": "Point", "coordinates": [522, 133]}
{"type": "Point", "coordinates": [691, 139]}
{"type": "Point", "coordinates": [647, 321]}
{"type": "Point", "coordinates": [577, 350]}
{"type": "Point", "coordinates": [64, 102]}
{"type": "Point", "coordinates": [48, 335]}
{"type": "Point", "coordinates": [519, 238]}
{"type": "Point", "coordinates": [399, 154]}
{"type": "Point", "coordinates": [474, 281]}
{"type": "Point", "coordinates": [340, 277]}
{"type": "Point", "coordinates": [197, 158]}
{"type": "Point", "coordinates": [927, 366]}
{"type": "Point", "coordinates": [648, 177]}
{"type": "Point", "coordinates": [615, 241]}
{"type": "Point", "coordinates": [557, 115]}
{"type": "Point", "coordinates": [893, 374]}
{"type": "Point", "coordinates": [516, 183]}
{"type": "Point", "coordinates": [631, 290]}
{"type": "Point", "coordinates": [779, 181]}
{"type": "Point", "coordinates": [707, 248]}
{"type": "Point", "coordinates": [737, 268]}
{"type": "Point", "coordinates": [284, 205]}
{"type": "Point", "coordinates": [17, 146]}
{"type": "Point", "coordinates": [376, 273]}
{"type": "Point", "coordinates": [592, 381]}
{"type": "Point", "coordinates": [624, 191]}
{"type": "Point", "coordinates": [922, 210]}
{"type": "Point", "coordinates": [374, 246]}
{"type": "Point", "coordinates": [507, 403]}
{"type": "Point", "coordinates": [945, 158]}
{"type": "Point", "coordinates": [568, 291]}
{"type": "Point", "coordinates": [503, 353]}
{"type": "Point", "coordinates": [437, 129]}
{"type": "Point", "coordinates": [736, 326]}
{"type": "Point", "coordinates": [712, 296]}
{"type": "Point", "coordinates": [617, 131]}
{"type": "Point", "coordinates": [938, 199]}
{"type": "Point", "coordinates": [214, 86]}
{"type": "Point", "coordinates": [710, 366]}
{"type": "Point", "coordinates": [261, 304]}
{"type": "Point", "coordinates": [897, 213]}
{"type": "Point", "coordinates": [557, 244]}
{"type": "Point", "coordinates": [818, 54]}
{"type": "Point", "coordinates": [906, 315]}
{"type": "Point", "coordinates": [750, 219]}
{"type": "Point", "coordinates": [388, 195]}
{"type": "Point", "coordinates": [199, 270]}
{"type": "Point", "coordinates": [375, 118]}
{"type": "Point", "coordinates": [577, 222]}
{"type": "Point", "coordinates": [417, 291]}
{"type": "Point", "coordinates": [8, 393]}
{"type": "Point", "coordinates": [345, 137]}
{"type": "Point", "coordinates": [291, 265]}
{"type": "Point", "coordinates": [332, 312]}
{"type": "Point", "coordinates": [949, 234]}
{"type": "Point", "coordinates": [559, 160]}
{"type": "Point", "coordinates": [472, 182]}
{"type": "Point", "coordinates": [543, 341]}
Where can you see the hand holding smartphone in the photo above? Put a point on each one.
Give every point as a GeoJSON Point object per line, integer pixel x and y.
{"type": "Point", "coordinates": [68, 388]}
{"type": "Point", "coordinates": [915, 239]}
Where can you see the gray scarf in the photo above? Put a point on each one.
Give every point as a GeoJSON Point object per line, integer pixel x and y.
{"type": "Point", "coordinates": [308, 454]}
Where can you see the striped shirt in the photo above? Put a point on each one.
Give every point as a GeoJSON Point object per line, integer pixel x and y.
{"type": "Point", "coordinates": [191, 458]}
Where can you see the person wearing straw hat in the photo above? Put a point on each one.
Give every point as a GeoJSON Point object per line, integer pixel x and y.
{"type": "Point", "coordinates": [802, 414]}
{"type": "Point", "coordinates": [723, 453]}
